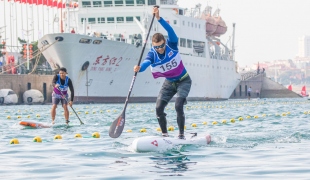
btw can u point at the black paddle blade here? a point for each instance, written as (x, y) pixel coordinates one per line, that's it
(117, 126)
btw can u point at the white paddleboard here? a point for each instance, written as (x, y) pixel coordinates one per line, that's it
(157, 143)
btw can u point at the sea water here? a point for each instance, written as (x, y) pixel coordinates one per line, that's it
(261, 139)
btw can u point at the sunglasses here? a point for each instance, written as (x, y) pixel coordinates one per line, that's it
(160, 46)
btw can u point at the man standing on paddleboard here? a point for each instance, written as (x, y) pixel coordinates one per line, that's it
(165, 61)
(61, 82)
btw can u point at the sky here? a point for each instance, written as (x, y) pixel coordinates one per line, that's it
(266, 30)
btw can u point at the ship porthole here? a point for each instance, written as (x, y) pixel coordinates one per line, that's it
(1, 100)
(59, 38)
(85, 65)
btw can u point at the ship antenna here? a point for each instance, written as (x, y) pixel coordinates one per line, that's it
(233, 42)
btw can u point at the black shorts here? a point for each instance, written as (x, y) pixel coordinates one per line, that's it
(56, 99)
(169, 89)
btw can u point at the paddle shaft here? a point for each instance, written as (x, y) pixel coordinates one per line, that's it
(118, 124)
(70, 106)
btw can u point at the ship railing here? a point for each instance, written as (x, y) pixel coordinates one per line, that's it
(248, 75)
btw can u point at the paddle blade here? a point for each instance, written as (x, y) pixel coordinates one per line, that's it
(117, 126)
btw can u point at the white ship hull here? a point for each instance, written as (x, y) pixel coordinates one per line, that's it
(211, 79)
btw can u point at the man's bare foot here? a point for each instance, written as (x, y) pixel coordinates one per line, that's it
(53, 122)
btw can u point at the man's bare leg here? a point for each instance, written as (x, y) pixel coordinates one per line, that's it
(53, 113)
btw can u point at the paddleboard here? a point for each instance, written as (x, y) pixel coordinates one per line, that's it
(158, 143)
(34, 124)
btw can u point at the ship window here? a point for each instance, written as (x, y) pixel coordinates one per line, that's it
(91, 20)
(183, 23)
(192, 24)
(86, 4)
(151, 2)
(119, 3)
(130, 3)
(189, 43)
(107, 3)
(101, 20)
(140, 2)
(129, 19)
(188, 23)
(120, 19)
(97, 42)
(110, 19)
(195, 25)
(199, 26)
(138, 17)
(82, 19)
(182, 42)
(97, 4)
(174, 21)
(180, 11)
(85, 41)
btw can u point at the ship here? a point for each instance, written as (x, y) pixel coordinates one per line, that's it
(107, 42)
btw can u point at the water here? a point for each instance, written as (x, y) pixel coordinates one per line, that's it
(271, 143)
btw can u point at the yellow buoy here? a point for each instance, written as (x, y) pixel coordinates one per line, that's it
(255, 117)
(184, 127)
(129, 130)
(86, 112)
(204, 123)
(78, 136)
(19, 117)
(194, 125)
(248, 117)
(57, 136)
(14, 141)
(96, 135)
(240, 118)
(37, 139)
(224, 121)
(143, 130)
(232, 120)
(214, 122)
(28, 116)
(38, 115)
(8, 117)
(170, 128)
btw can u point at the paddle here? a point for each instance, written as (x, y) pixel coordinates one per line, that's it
(118, 124)
(70, 106)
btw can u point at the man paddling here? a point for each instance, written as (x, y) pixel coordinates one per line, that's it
(61, 82)
(165, 61)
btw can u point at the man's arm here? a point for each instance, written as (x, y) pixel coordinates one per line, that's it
(71, 89)
(171, 34)
(54, 80)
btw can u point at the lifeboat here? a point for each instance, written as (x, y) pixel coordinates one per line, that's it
(8, 96)
(33, 96)
(221, 27)
(211, 24)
